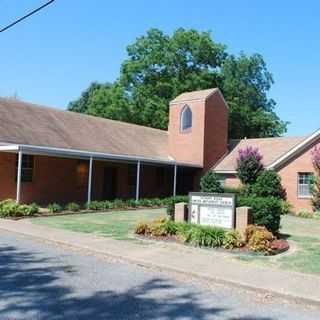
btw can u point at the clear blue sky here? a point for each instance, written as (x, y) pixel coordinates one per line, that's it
(51, 57)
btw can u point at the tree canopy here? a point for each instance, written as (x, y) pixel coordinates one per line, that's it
(159, 67)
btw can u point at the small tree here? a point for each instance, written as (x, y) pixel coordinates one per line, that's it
(315, 154)
(249, 165)
(268, 184)
(210, 183)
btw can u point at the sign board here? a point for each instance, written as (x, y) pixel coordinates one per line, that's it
(212, 209)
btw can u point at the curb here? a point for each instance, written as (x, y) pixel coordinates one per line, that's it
(173, 270)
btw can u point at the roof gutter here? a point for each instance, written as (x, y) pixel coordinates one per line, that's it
(74, 153)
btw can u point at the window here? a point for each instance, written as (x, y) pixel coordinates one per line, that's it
(186, 118)
(26, 168)
(305, 181)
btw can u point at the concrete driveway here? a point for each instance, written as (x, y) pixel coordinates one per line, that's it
(45, 281)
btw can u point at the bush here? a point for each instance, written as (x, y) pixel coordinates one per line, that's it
(210, 183)
(232, 239)
(249, 165)
(266, 211)
(259, 239)
(72, 206)
(10, 208)
(158, 228)
(268, 184)
(142, 228)
(170, 203)
(28, 209)
(119, 204)
(197, 235)
(131, 203)
(96, 205)
(54, 207)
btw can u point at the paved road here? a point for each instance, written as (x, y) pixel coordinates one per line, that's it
(43, 281)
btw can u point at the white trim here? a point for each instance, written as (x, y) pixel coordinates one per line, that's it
(309, 140)
(90, 180)
(74, 153)
(19, 167)
(225, 171)
(175, 180)
(138, 181)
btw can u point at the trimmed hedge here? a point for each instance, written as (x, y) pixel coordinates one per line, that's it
(267, 211)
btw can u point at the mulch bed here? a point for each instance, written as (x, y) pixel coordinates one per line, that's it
(278, 246)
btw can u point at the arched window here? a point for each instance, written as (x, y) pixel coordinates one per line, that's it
(186, 118)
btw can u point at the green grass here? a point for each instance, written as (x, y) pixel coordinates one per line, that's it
(304, 234)
(117, 224)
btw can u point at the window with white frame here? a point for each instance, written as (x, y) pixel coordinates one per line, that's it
(305, 180)
(186, 118)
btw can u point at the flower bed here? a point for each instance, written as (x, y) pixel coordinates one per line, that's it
(257, 239)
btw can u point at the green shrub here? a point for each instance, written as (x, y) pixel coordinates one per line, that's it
(259, 239)
(107, 204)
(315, 189)
(201, 235)
(286, 207)
(54, 207)
(206, 236)
(268, 184)
(131, 203)
(72, 206)
(10, 208)
(170, 203)
(28, 209)
(249, 165)
(266, 211)
(119, 204)
(232, 239)
(305, 214)
(210, 183)
(96, 205)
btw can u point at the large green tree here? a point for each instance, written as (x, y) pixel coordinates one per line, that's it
(159, 67)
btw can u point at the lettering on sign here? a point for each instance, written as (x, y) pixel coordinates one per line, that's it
(212, 209)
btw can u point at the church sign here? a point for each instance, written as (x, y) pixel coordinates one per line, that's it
(212, 209)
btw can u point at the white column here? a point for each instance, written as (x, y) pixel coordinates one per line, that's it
(175, 180)
(90, 180)
(138, 181)
(19, 176)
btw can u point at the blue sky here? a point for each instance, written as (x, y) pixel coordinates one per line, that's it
(51, 57)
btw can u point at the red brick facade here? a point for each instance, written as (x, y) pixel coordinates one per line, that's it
(289, 171)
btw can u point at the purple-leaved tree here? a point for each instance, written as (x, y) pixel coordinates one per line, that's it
(249, 165)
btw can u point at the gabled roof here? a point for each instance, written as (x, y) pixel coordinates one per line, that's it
(28, 124)
(272, 150)
(194, 95)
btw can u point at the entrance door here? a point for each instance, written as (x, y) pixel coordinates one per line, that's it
(110, 183)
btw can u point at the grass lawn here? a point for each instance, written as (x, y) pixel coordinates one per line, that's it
(117, 224)
(304, 234)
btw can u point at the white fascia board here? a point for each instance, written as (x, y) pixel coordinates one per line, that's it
(309, 140)
(9, 148)
(225, 171)
(74, 153)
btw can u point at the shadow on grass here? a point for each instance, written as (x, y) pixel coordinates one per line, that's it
(29, 289)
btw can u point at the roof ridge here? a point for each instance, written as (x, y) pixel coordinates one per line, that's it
(56, 109)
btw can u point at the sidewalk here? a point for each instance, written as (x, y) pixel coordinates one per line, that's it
(205, 264)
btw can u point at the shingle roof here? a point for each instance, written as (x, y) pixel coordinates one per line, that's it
(26, 123)
(194, 95)
(270, 148)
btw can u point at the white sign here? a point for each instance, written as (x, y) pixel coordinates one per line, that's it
(212, 209)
